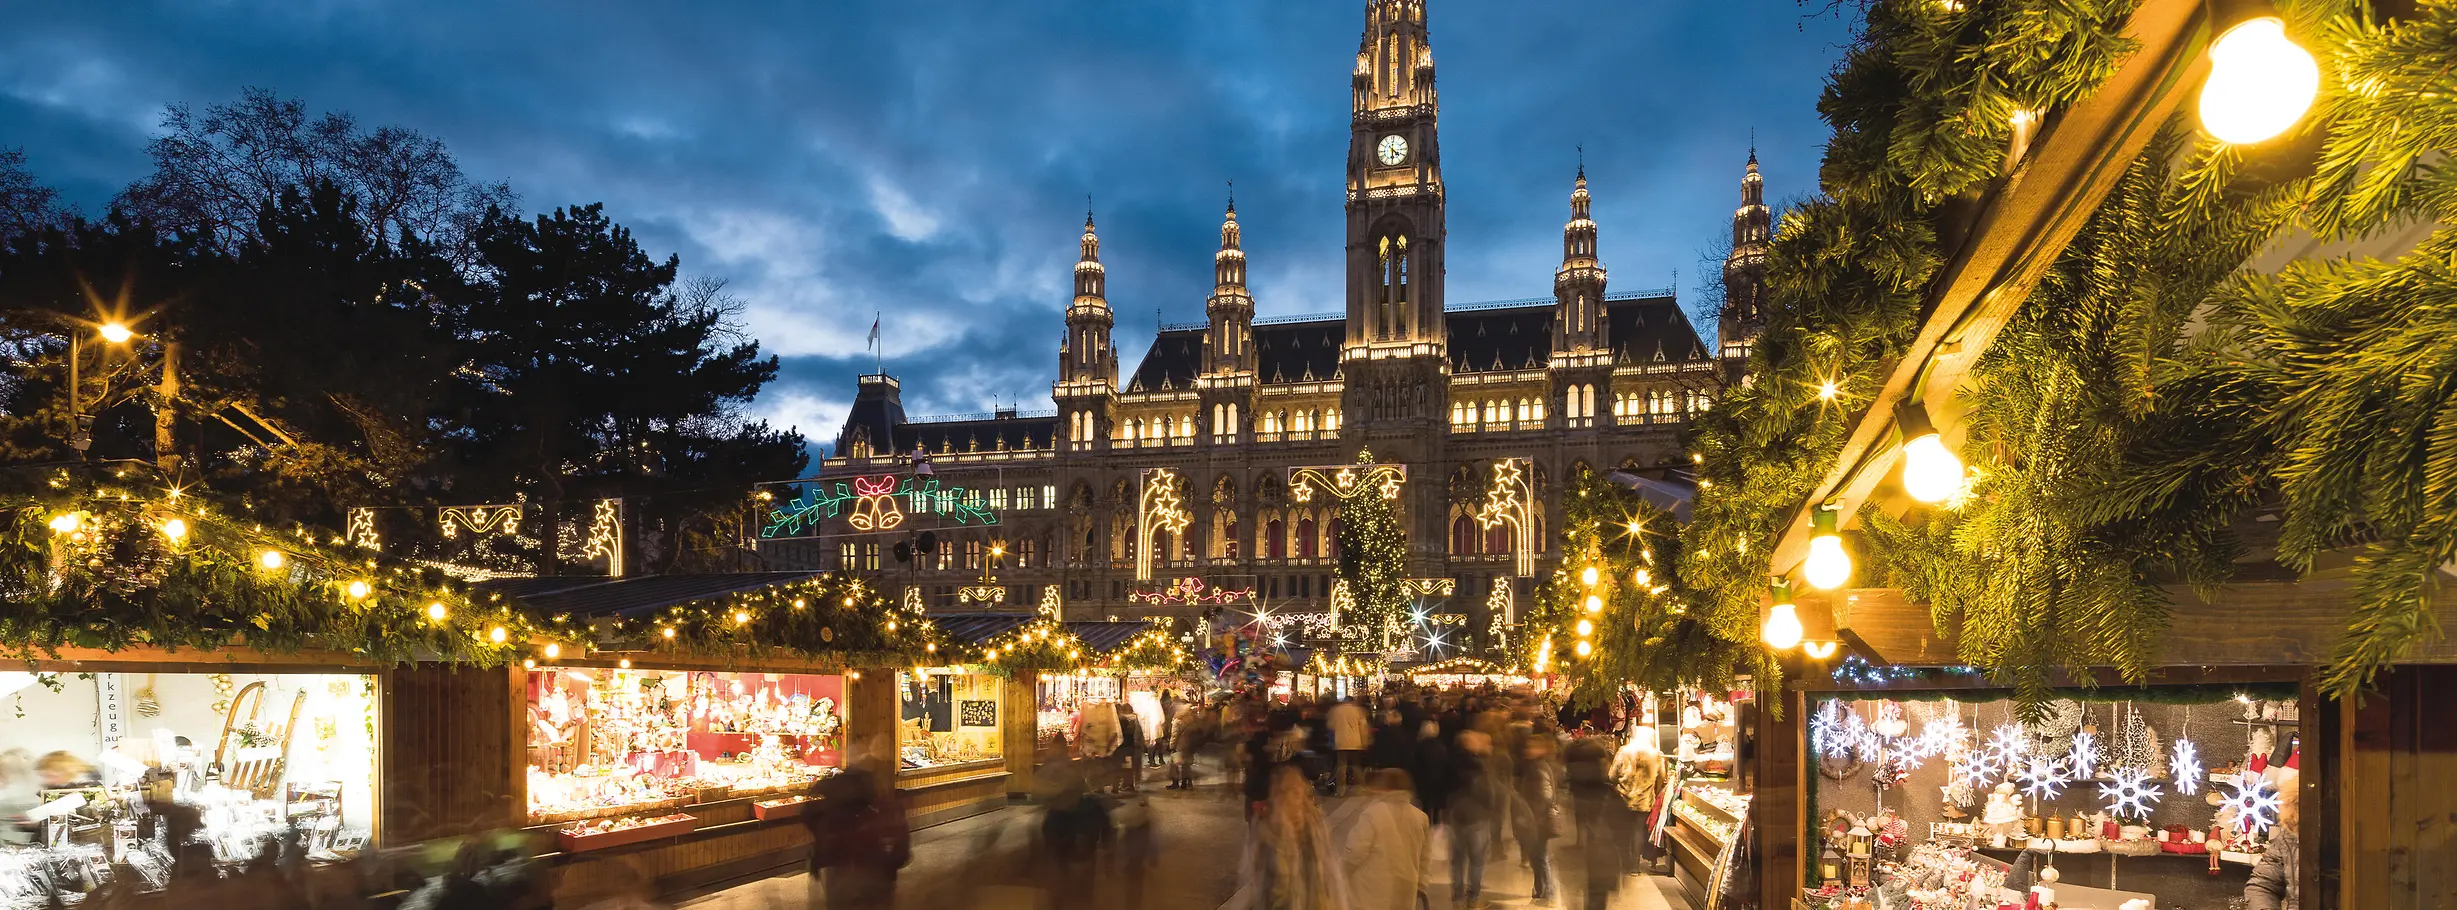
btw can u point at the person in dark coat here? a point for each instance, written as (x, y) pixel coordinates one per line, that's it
(1596, 807)
(1430, 770)
(1259, 761)
(858, 842)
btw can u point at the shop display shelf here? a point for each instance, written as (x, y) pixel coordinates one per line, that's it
(785, 807)
(669, 826)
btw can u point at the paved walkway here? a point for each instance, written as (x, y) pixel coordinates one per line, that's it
(1508, 881)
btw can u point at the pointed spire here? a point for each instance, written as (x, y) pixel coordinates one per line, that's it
(1090, 279)
(1582, 164)
(1229, 265)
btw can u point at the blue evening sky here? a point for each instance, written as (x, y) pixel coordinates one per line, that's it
(929, 159)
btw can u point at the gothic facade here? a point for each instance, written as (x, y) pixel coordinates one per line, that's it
(1587, 378)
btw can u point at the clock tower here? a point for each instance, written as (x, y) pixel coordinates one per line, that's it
(1394, 354)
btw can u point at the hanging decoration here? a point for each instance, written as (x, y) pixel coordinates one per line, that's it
(1943, 734)
(2184, 766)
(871, 504)
(1346, 482)
(2084, 755)
(485, 520)
(1052, 606)
(1510, 503)
(2042, 778)
(1159, 508)
(359, 530)
(605, 540)
(1192, 592)
(2254, 802)
(2007, 750)
(2129, 793)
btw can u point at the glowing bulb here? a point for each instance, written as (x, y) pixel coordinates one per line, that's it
(625, 663)
(1594, 604)
(891, 625)
(115, 333)
(270, 559)
(669, 632)
(553, 650)
(1827, 390)
(1584, 649)
(497, 635)
(1782, 629)
(2260, 82)
(1827, 566)
(741, 617)
(1930, 471)
(1585, 628)
(66, 523)
(991, 654)
(931, 647)
(1819, 650)
(176, 529)
(799, 603)
(436, 611)
(527, 664)
(1587, 576)
(1640, 575)
(358, 589)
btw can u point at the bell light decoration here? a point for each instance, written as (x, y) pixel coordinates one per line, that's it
(2260, 82)
(1828, 567)
(1782, 629)
(1931, 472)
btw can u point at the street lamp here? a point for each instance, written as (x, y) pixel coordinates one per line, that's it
(112, 332)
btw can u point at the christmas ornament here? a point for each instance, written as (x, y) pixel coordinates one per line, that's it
(2255, 804)
(2129, 793)
(2185, 767)
(2042, 778)
(2006, 749)
(1941, 734)
(2083, 755)
(1973, 768)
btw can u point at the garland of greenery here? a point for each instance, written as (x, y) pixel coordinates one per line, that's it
(1645, 633)
(1922, 110)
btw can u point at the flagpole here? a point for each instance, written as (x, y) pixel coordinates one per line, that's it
(878, 351)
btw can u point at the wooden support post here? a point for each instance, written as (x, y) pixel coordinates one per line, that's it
(1778, 809)
(871, 721)
(2397, 795)
(454, 757)
(1021, 730)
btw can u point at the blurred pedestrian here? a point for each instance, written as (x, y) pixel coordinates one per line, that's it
(1384, 857)
(1351, 732)
(1099, 736)
(1189, 733)
(1430, 770)
(1596, 805)
(1137, 850)
(858, 841)
(1075, 829)
(1479, 801)
(1259, 757)
(1129, 756)
(1289, 864)
(1536, 815)
(1638, 776)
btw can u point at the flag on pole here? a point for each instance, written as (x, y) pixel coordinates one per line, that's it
(874, 332)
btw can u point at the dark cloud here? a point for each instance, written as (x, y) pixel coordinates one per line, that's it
(928, 161)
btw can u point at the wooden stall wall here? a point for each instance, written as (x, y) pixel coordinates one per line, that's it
(2396, 790)
(452, 751)
(1778, 810)
(1021, 697)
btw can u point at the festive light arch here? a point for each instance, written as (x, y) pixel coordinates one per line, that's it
(1510, 503)
(1161, 506)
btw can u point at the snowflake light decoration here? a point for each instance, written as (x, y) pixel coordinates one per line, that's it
(2130, 793)
(2084, 756)
(2255, 804)
(2007, 748)
(1941, 734)
(1973, 766)
(2185, 767)
(1826, 734)
(2042, 778)
(1905, 753)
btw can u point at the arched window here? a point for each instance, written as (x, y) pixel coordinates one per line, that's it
(1307, 540)
(1330, 542)
(1275, 539)
(1497, 539)
(1391, 302)
(1462, 536)
(1230, 548)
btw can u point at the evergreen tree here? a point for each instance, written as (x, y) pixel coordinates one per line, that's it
(1373, 561)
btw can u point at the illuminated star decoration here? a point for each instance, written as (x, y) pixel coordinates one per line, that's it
(1825, 734)
(2006, 749)
(2185, 767)
(2129, 794)
(2042, 778)
(2084, 756)
(2255, 804)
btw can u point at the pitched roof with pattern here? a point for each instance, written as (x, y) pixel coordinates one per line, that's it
(996, 434)
(1651, 330)
(1176, 356)
(1298, 351)
(1487, 341)
(587, 596)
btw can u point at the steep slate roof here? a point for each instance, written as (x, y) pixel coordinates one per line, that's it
(633, 596)
(1305, 351)
(1486, 341)
(980, 435)
(1641, 328)
(1176, 356)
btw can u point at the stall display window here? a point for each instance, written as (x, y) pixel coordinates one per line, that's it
(1061, 699)
(119, 779)
(947, 718)
(607, 742)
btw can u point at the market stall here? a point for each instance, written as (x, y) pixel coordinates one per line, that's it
(1465, 672)
(607, 744)
(2165, 794)
(131, 771)
(951, 740)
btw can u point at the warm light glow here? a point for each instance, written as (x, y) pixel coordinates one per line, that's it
(799, 603)
(669, 631)
(1782, 629)
(1587, 576)
(497, 635)
(436, 611)
(2260, 82)
(176, 529)
(1640, 575)
(553, 650)
(115, 333)
(625, 663)
(1585, 628)
(1827, 566)
(741, 617)
(991, 654)
(931, 647)
(66, 523)
(358, 589)
(1595, 604)
(270, 559)
(1583, 649)
(891, 625)
(1827, 390)
(1930, 471)
(1819, 650)
(527, 664)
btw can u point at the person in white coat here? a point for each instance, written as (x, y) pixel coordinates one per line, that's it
(1385, 852)
(1351, 732)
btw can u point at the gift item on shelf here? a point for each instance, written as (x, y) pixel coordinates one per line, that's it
(948, 717)
(606, 742)
(1706, 820)
(620, 832)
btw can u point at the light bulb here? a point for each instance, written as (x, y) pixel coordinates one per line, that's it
(66, 523)
(175, 528)
(1585, 628)
(1584, 649)
(1587, 576)
(1930, 471)
(270, 559)
(1782, 629)
(1595, 604)
(1819, 650)
(625, 663)
(358, 589)
(669, 631)
(553, 650)
(2260, 82)
(1827, 567)
(497, 635)
(115, 333)
(436, 612)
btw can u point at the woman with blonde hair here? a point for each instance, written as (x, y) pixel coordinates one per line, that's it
(1289, 864)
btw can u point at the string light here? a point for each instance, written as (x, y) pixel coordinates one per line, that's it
(553, 650)
(1782, 628)
(1828, 567)
(497, 635)
(271, 559)
(1588, 576)
(1930, 472)
(175, 529)
(2260, 82)
(66, 523)
(358, 589)
(436, 611)
(115, 332)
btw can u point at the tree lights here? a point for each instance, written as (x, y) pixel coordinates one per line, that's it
(1781, 630)
(2260, 82)
(1828, 566)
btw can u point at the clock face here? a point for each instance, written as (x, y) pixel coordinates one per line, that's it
(1392, 150)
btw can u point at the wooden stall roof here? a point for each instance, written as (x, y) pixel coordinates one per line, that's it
(635, 595)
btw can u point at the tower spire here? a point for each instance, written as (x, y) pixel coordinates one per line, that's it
(1744, 271)
(1578, 286)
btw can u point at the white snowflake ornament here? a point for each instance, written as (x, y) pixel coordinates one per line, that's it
(2042, 778)
(2129, 793)
(2255, 803)
(2185, 767)
(2007, 748)
(2083, 758)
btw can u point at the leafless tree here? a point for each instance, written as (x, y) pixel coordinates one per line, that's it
(26, 205)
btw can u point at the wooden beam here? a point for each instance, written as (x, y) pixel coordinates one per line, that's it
(2023, 224)
(2270, 623)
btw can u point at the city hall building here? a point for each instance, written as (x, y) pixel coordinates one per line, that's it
(1218, 418)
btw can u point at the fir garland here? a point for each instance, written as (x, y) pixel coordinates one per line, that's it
(1646, 632)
